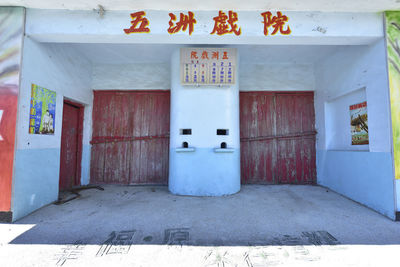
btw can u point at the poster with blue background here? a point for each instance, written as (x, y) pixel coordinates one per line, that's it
(43, 111)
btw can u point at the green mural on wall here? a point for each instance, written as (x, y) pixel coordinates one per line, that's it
(393, 50)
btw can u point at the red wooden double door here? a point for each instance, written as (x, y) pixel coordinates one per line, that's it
(130, 139)
(277, 137)
(130, 143)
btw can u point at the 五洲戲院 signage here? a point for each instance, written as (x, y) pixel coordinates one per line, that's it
(223, 23)
(207, 66)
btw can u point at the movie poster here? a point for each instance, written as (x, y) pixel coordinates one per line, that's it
(359, 124)
(43, 111)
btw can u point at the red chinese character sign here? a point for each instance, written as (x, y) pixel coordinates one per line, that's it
(277, 23)
(184, 22)
(139, 23)
(208, 66)
(223, 23)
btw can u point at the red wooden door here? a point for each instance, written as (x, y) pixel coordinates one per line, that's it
(277, 137)
(70, 146)
(130, 143)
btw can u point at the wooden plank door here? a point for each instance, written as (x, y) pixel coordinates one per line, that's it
(130, 143)
(277, 137)
(71, 143)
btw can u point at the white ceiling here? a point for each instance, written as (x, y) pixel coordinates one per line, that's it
(297, 5)
(139, 53)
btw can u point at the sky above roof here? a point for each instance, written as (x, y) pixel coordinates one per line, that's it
(295, 5)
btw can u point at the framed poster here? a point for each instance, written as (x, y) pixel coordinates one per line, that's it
(42, 117)
(359, 124)
(208, 66)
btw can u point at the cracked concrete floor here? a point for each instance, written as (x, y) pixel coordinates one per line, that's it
(147, 226)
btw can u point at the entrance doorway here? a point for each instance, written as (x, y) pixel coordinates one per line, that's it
(71, 145)
(277, 138)
(130, 140)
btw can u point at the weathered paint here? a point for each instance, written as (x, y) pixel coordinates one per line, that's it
(71, 146)
(11, 29)
(130, 137)
(277, 137)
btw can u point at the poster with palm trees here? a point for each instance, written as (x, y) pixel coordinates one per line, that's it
(359, 124)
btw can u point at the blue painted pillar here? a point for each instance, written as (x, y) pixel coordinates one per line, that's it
(203, 168)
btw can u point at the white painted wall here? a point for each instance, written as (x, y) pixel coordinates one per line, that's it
(37, 162)
(252, 77)
(346, 71)
(307, 28)
(133, 76)
(60, 69)
(276, 77)
(365, 176)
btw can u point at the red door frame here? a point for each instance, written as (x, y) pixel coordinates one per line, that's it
(78, 173)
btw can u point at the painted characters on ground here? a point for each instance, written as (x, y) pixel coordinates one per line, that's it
(393, 49)
(359, 124)
(43, 111)
(276, 250)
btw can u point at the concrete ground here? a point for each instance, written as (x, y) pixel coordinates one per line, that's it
(276, 225)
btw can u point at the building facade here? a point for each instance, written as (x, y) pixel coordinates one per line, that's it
(202, 100)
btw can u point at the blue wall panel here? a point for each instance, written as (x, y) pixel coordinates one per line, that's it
(36, 180)
(366, 177)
